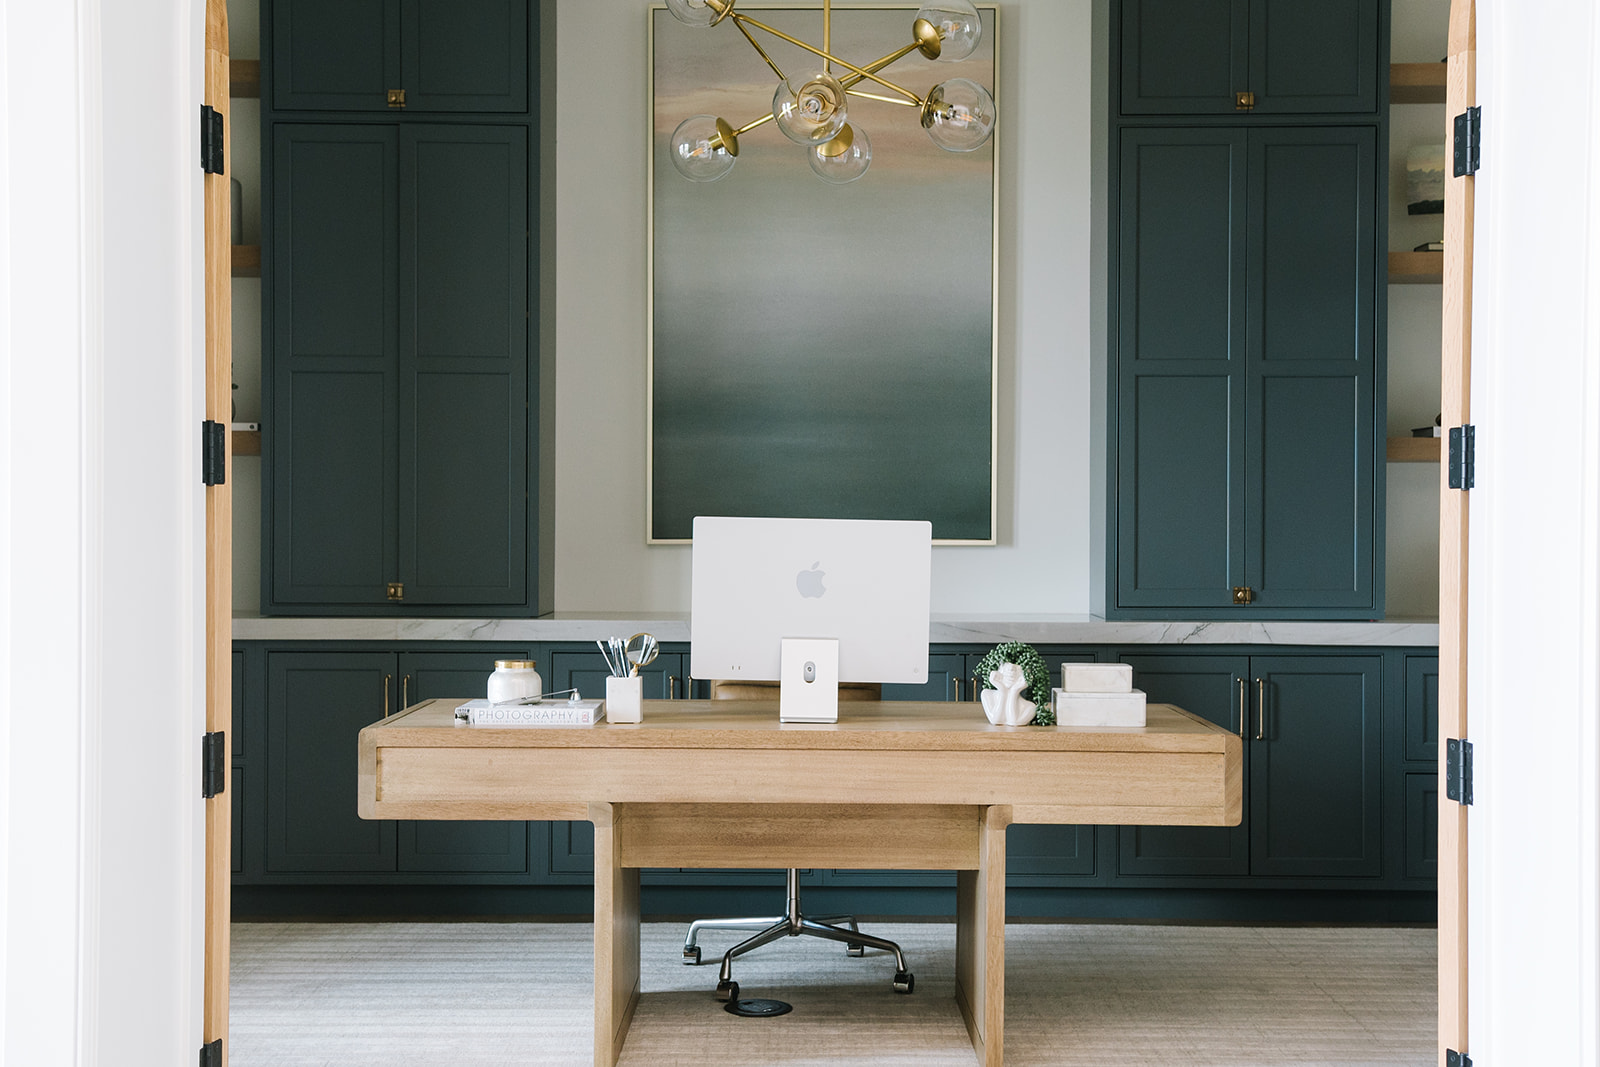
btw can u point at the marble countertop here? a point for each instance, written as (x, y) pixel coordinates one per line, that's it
(955, 629)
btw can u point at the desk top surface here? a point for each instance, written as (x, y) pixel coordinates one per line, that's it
(864, 725)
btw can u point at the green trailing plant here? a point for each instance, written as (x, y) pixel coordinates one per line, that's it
(1027, 657)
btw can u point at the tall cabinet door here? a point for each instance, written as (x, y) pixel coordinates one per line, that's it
(464, 55)
(331, 431)
(317, 703)
(1311, 457)
(1180, 379)
(332, 55)
(463, 369)
(1211, 687)
(1314, 769)
(1314, 58)
(1183, 57)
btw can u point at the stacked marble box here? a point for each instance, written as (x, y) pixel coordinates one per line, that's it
(1098, 694)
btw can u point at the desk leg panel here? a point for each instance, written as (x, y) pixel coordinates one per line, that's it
(981, 941)
(616, 940)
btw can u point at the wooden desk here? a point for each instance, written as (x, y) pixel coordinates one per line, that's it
(893, 785)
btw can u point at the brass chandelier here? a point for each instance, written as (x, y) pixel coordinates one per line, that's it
(959, 114)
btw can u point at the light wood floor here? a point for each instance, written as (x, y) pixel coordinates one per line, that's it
(443, 994)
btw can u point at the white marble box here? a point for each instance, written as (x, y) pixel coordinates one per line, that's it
(1099, 709)
(1096, 677)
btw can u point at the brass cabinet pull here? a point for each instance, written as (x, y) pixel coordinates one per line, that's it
(386, 696)
(1244, 710)
(405, 690)
(1261, 700)
(672, 687)
(957, 682)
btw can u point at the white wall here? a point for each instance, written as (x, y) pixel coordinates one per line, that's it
(100, 519)
(1533, 655)
(1045, 90)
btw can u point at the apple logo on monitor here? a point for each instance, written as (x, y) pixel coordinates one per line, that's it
(810, 582)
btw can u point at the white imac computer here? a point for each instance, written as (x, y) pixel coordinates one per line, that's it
(810, 603)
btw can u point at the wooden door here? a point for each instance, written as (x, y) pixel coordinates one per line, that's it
(220, 810)
(1180, 368)
(1456, 397)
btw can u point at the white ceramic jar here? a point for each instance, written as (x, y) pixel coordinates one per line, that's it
(514, 679)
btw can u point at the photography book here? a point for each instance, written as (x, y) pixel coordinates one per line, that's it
(553, 713)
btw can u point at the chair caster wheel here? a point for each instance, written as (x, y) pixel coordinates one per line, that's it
(691, 956)
(727, 991)
(904, 981)
(854, 949)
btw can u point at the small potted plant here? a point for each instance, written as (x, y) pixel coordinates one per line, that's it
(1036, 675)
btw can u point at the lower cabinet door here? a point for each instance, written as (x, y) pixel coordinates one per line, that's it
(1208, 686)
(427, 845)
(1314, 766)
(317, 703)
(1035, 855)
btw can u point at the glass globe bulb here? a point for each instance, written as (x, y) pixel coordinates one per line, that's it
(843, 159)
(812, 111)
(695, 12)
(959, 24)
(703, 148)
(959, 115)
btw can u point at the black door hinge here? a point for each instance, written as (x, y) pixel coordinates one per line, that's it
(1463, 457)
(213, 768)
(1468, 139)
(1458, 770)
(211, 1054)
(213, 453)
(1452, 1058)
(212, 139)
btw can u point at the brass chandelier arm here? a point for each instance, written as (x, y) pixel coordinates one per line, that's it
(847, 81)
(753, 44)
(885, 99)
(862, 71)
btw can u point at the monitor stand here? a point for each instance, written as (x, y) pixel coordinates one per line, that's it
(808, 680)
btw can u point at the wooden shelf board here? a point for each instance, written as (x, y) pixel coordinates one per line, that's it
(247, 261)
(1416, 83)
(1414, 449)
(244, 78)
(1416, 268)
(246, 442)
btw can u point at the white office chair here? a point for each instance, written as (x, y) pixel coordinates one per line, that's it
(792, 923)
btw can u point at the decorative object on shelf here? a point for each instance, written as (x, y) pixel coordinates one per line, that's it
(1004, 703)
(1425, 180)
(1436, 430)
(1430, 246)
(811, 108)
(1027, 659)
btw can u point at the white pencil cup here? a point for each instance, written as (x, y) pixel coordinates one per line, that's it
(624, 698)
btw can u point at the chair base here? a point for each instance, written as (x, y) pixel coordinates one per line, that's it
(793, 924)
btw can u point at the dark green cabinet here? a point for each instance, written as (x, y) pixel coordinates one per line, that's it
(1246, 461)
(317, 704)
(443, 55)
(1193, 57)
(399, 403)
(1313, 755)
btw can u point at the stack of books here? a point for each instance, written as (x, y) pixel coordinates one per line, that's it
(1098, 694)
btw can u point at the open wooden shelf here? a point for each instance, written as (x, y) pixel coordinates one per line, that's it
(248, 442)
(247, 261)
(1416, 268)
(244, 78)
(1416, 83)
(1414, 449)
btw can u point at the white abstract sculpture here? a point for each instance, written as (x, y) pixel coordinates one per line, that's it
(1004, 704)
